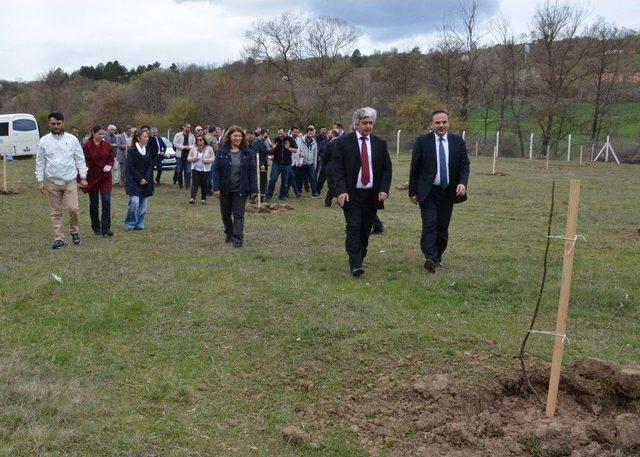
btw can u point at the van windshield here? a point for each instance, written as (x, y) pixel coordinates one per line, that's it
(24, 125)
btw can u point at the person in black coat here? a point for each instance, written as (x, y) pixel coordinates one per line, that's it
(438, 178)
(139, 181)
(325, 170)
(260, 149)
(360, 175)
(234, 179)
(156, 147)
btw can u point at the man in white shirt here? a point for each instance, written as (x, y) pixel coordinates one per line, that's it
(59, 161)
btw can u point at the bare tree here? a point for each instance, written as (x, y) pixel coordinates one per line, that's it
(509, 68)
(278, 42)
(606, 67)
(557, 54)
(326, 43)
(462, 35)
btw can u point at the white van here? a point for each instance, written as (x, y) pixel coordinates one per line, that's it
(19, 135)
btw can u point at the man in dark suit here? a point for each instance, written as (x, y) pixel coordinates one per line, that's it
(360, 175)
(156, 148)
(437, 179)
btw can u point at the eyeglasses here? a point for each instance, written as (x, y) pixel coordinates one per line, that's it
(200, 139)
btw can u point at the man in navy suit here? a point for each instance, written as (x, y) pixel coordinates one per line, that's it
(360, 175)
(157, 148)
(437, 179)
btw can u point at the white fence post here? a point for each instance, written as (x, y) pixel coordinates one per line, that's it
(531, 146)
(569, 149)
(398, 144)
(498, 142)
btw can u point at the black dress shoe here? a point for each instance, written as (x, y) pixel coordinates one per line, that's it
(96, 232)
(430, 266)
(228, 239)
(358, 271)
(107, 233)
(237, 244)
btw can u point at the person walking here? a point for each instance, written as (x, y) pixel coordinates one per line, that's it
(201, 157)
(182, 143)
(361, 177)
(234, 179)
(139, 181)
(438, 178)
(99, 159)
(123, 140)
(59, 160)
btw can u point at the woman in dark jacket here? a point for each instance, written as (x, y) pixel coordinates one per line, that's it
(139, 181)
(234, 179)
(97, 154)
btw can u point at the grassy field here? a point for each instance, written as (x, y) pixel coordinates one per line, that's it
(167, 342)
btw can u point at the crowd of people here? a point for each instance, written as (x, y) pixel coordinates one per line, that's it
(233, 165)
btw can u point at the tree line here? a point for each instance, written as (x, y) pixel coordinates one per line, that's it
(307, 71)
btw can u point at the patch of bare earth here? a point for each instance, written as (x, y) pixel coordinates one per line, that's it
(269, 208)
(441, 414)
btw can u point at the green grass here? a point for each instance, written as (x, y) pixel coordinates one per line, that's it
(168, 342)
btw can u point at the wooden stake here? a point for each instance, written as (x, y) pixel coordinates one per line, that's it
(495, 157)
(547, 165)
(580, 154)
(476, 148)
(565, 290)
(258, 176)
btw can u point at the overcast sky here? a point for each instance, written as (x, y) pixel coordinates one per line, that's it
(37, 35)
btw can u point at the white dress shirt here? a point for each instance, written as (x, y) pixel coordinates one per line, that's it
(141, 149)
(445, 143)
(359, 184)
(60, 159)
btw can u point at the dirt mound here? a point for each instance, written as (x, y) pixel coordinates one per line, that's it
(11, 191)
(269, 208)
(440, 414)
(293, 436)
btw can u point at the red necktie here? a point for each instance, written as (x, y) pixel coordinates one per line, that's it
(366, 173)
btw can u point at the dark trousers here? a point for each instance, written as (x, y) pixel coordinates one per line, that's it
(320, 180)
(359, 212)
(435, 211)
(278, 169)
(295, 181)
(97, 225)
(232, 211)
(159, 167)
(263, 181)
(201, 180)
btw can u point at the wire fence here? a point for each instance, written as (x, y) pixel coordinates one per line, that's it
(627, 151)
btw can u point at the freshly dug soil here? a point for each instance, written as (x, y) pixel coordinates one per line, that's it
(440, 414)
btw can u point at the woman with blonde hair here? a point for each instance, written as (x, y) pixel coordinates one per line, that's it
(234, 179)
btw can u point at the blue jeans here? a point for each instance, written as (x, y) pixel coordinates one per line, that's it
(183, 166)
(310, 172)
(136, 211)
(284, 171)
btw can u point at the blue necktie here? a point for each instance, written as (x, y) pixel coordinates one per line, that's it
(442, 159)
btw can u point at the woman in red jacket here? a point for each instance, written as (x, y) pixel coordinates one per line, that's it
(99, 158)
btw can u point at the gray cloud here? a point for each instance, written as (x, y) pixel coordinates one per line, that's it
(382, 20)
